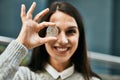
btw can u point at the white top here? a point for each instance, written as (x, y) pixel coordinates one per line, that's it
(10, 70)
(55, 74)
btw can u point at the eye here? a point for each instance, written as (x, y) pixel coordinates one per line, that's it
(71, 32)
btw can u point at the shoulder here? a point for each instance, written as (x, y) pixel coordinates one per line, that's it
(27, 74)
(24, 73)
(23, 70)
(79, 76)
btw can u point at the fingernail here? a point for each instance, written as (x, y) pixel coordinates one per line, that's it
(34, 3)
(47, 9)
(22, 4)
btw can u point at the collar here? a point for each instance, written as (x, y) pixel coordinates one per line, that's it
(55, 74)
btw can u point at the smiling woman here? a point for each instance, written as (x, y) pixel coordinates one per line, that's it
(61, 50)
(63, 56)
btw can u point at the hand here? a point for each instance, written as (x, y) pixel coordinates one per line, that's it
(30, 27)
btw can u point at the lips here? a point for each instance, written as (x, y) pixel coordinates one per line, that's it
(61, 49)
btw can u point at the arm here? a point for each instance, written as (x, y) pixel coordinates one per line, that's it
(27, 39)
(10, 60)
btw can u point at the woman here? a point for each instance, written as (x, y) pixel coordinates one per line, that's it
(60, 57)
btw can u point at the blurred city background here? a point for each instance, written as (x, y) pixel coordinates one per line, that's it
(102, 26)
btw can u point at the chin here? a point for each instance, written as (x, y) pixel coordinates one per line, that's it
(62, 60)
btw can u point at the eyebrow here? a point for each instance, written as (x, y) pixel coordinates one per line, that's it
(69, 27)
(73, 27)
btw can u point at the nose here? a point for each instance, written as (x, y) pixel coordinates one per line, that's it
(62, 38)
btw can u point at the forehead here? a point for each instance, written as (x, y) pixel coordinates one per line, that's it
(61, 18)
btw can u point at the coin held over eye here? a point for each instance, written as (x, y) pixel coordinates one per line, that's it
(52, 31)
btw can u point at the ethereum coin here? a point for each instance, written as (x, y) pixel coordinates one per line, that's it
(52, 31)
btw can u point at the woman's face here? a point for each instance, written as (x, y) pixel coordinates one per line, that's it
(66, 44)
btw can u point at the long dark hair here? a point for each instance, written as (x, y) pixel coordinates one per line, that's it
(40, 56)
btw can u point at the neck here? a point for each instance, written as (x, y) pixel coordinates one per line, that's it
(60, 66)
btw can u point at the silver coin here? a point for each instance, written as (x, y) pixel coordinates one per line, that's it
(52, 31)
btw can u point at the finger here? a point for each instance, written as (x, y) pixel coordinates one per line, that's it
(32, 8)
(41, 14)
(23, 9)
(45, 24)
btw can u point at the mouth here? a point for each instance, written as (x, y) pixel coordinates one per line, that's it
(61, 49)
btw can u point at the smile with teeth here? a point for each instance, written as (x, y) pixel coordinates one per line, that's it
(61, 49)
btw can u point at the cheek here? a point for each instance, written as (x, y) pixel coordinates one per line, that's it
(75, 39)
(48, 46)
(74, 43)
